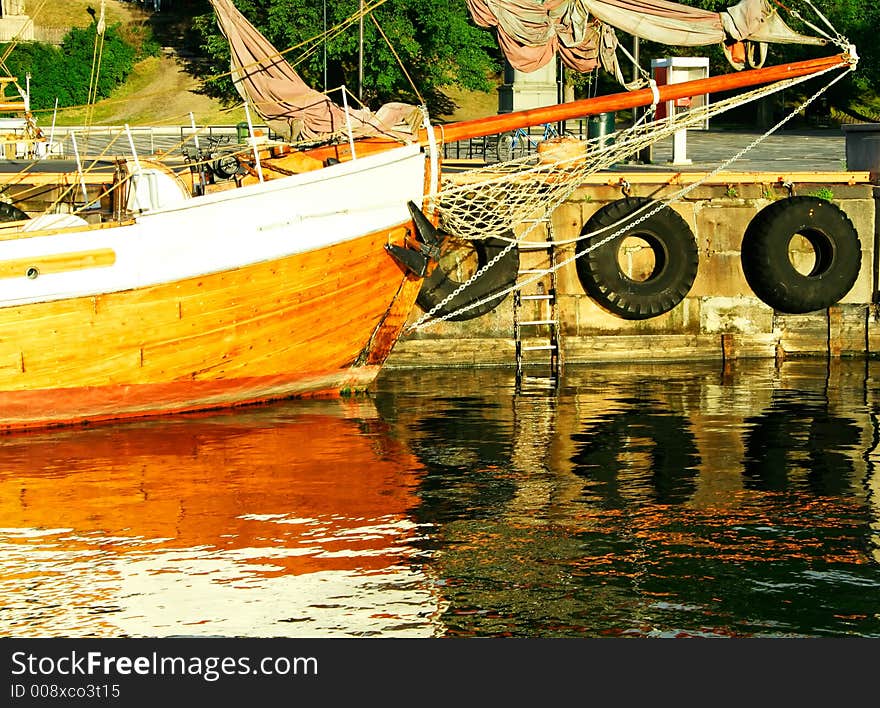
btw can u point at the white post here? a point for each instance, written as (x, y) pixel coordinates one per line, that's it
(253, 140)
(79, 168)
(348, 123)
(201, 168)
(137, 163)
(52, 129)
(679, 148)
(192, 120)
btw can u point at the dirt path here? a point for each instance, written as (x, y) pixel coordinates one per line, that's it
(161, 92)
(158, 92)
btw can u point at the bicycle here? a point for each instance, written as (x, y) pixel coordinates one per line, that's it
(518, 143)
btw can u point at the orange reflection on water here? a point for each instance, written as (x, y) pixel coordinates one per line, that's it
(275, 521)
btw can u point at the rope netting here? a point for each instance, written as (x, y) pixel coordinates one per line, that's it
(489, 201)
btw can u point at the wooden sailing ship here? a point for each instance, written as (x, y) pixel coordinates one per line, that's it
(295, 280)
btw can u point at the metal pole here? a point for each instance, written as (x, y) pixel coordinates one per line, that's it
(635, 74)
(52, 130)
(137, 162)
(361, 54)
(325, 46)
(199, 163)
(348, 123)
(646, 154)
(253, 141)
(79, 169)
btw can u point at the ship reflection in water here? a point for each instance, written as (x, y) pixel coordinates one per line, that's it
(641, 500)
(290, 519)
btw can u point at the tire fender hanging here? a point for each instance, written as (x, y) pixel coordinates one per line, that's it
(440, 284)
(676, 259)
(437, 286)
(768, 267)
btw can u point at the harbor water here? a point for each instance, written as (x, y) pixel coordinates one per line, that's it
(673, 500)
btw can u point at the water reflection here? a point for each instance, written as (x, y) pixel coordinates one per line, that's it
(639, 448)
(798, 432)
(649, 500)
(288, 520)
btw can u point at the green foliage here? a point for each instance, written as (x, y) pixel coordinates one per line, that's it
(857, 20)
(66, 72)
(435, 40)
(823, 193)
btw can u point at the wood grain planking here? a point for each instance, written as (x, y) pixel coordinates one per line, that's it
(57, 263)
(212, 326)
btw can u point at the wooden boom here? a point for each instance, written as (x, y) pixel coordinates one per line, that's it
(490, 125)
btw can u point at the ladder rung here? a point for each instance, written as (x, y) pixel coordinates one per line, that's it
(538, 322)
(540, 348)
(533, 379)
(537, 297)
(535, 246)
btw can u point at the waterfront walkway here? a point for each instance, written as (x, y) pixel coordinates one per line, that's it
(817, 150)
(820, 150)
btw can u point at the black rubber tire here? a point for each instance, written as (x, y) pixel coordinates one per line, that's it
(676, 259)
(8, 212)
(768, 268)
(439, 284)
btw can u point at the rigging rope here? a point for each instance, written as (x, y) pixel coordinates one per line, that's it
(97, 58)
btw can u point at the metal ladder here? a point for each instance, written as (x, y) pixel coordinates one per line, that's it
(538, 332)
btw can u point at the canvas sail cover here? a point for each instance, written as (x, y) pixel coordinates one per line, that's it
(289, 106)
(532, 32)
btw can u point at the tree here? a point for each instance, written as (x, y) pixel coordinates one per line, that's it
(67, 72)
(855, 20)
(434, 40)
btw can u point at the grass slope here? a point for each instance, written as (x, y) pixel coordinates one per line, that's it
(160, 91)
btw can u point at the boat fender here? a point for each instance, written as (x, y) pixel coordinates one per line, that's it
(440, 284)
(8, 212)
(676, 259)
(768, 267)
(496, 280)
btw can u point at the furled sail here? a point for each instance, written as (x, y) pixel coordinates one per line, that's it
(532, 32)
(289, 106)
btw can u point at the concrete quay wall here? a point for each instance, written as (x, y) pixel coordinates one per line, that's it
(720, 318)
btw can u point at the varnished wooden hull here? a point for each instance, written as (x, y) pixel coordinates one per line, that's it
(236, 299)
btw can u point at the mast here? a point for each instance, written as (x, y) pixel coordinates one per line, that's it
(491, 125)
(361, 53)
